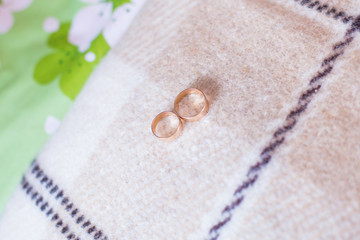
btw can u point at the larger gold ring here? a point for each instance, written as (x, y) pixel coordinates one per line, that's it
(173, 135)
(202, 112)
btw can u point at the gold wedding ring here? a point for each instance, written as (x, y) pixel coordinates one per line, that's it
(164, 133)
(196, 112)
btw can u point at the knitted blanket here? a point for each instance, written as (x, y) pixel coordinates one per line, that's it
(276, 157)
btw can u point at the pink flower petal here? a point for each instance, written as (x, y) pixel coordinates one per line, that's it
(17, 5)
(88, 23)
(91, 1)
(6, 20)
(121, 20)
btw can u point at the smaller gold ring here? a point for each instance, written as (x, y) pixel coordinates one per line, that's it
(160, 117)
(185, 93)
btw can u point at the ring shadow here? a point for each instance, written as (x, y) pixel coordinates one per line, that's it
(209, 86)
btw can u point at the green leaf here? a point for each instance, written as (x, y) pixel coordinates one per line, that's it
(74, 78)
(59, 39)
(79, 70)
(100, 47)
(48, 68)
(117, 3)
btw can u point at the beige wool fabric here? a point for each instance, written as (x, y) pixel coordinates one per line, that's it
(276, 157)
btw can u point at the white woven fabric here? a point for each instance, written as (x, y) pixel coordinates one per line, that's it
(275, 158)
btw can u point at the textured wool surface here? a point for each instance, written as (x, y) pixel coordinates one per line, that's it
(276, 157)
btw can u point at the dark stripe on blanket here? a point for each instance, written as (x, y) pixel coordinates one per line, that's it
(279, 135)
(327, 10)
(66, 203)
(44, 207)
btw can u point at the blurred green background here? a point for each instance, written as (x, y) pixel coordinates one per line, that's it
(24, 104)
